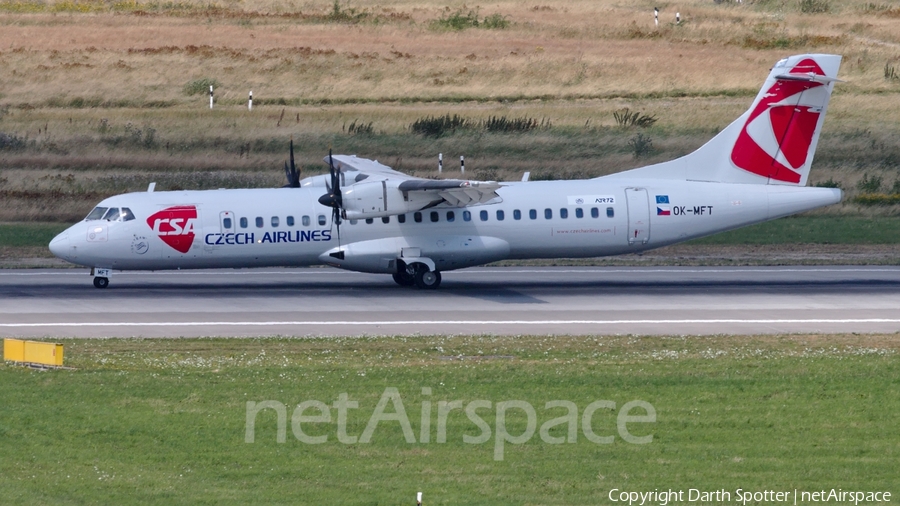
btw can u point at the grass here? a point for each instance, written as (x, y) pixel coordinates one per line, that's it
(164, 421)
(72, 159)
(113, 95)
(812, 230)
(29, 234)
(142, 53)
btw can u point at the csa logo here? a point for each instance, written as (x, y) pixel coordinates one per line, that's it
(775, 140)
(175, 226)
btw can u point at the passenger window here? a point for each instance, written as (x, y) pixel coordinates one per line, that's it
(548, 214)
(417, 217)
(532, 214)
(579, 212)
(259, 222)
(96, 214)
(226, 223)
(500, 215)
(274, 221)
(386, 219)
(435, 216)
(321, 219)
(305, 221)
(401, 218)
(243, 222)
(290, 221)
(369, 221)
(127, 215)
(467, 216)
(112, 214)
(610, 212)
(595, 213)
(451, 216)
(563, 213)
(483, 215)
(517, 215)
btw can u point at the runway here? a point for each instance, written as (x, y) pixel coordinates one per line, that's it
(510, 301)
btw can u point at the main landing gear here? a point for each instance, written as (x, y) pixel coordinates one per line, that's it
(418, 274)
(101, 282)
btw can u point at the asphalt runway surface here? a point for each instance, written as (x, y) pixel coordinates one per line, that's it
(508, 300)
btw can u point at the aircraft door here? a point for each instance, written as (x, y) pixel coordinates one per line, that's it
(226, 222)
(638, 215)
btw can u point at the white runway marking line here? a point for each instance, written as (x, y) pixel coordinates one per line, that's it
(443, 322)
(497, 270)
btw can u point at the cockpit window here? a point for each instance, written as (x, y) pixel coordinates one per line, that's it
(112, 214)
(96, 214)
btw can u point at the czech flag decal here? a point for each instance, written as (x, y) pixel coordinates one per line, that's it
(663, 210)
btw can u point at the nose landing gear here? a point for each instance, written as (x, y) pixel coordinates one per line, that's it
(101, 277)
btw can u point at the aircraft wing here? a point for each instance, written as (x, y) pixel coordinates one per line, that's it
(449, 192)
(353, 163)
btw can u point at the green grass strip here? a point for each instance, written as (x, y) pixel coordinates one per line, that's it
(164, 421)
(813, 230)
(29, 234)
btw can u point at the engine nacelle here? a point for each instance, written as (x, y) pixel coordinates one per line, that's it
(442, 253)
(376, 199)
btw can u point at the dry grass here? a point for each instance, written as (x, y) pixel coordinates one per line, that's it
(559, 49)
(96, 89)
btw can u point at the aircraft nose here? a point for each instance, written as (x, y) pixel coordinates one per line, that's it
(59, 246)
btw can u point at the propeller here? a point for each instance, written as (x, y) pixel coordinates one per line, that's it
(291, 171)
(334, 199)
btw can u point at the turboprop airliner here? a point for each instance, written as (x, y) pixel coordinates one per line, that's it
(364, 216)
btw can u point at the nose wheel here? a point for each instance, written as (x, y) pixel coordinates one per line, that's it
(100, 282)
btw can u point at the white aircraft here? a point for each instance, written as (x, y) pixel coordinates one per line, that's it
(364, 216)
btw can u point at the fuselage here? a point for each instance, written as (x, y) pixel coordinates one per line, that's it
(540, 219)
(755, 169)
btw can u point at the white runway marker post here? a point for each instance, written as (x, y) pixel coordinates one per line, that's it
(250, 101)
(677, 18)
(462, 164)
(419, 499)
(440, 162)
(656, 16)
(210, 96)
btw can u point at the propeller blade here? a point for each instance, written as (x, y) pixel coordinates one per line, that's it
(335, 182)
(335, 197)
(290, 171)
(295, 174)
(332, 173)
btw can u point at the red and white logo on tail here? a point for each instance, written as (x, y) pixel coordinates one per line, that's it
(175, 226)
(775, 141)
